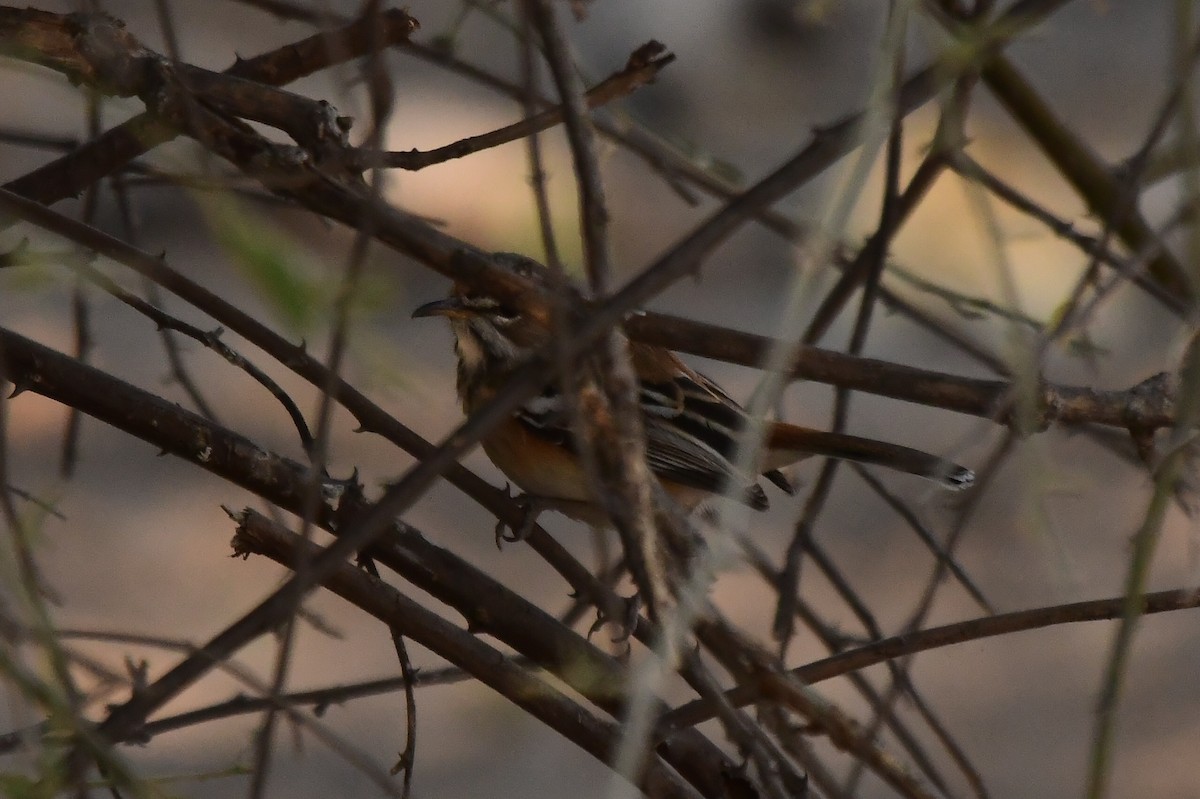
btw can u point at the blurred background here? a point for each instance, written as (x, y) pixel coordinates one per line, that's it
(143, 543)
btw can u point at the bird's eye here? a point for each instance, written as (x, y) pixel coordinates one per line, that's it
(504, 315)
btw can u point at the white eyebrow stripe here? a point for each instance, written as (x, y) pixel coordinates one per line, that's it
(544, 405)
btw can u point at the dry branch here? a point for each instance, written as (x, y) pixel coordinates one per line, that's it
(258, 535)
(488, 605)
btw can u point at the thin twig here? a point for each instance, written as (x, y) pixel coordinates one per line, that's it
(596, 736)
(935, 638)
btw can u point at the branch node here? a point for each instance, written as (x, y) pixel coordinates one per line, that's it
(1151, 398)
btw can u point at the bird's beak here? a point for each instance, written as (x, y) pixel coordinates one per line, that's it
(451, 307)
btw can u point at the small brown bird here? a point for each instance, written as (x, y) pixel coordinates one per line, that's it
(692, 426)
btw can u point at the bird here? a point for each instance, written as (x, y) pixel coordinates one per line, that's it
(692, 426)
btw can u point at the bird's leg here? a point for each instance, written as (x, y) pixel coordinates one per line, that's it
(531, 508)
(625, 625)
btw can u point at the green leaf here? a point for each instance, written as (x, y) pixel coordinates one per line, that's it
(271, 261)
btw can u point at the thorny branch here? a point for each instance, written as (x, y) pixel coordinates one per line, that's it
(487, 605)
(320, 172)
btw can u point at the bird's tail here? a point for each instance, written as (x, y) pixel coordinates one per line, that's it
(788, 443)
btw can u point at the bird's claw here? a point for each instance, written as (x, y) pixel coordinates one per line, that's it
(531, 508)
(625, 625)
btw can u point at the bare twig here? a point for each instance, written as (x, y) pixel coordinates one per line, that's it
(258, 535)
(937, 637)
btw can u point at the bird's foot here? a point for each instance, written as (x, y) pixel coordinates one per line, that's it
(625, 624)
(531, 508)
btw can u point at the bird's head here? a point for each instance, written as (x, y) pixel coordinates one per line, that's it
(493, 336)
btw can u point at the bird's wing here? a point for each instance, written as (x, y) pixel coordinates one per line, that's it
(691, 434)
(691, 430)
